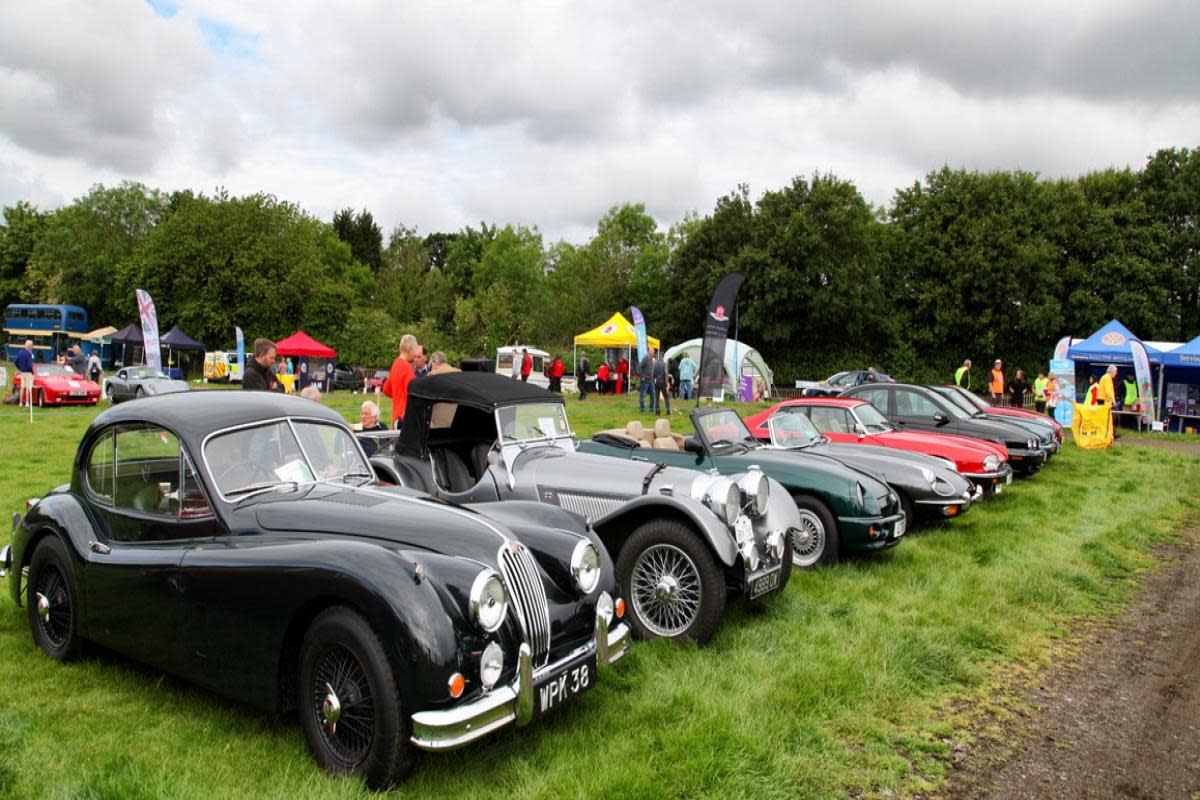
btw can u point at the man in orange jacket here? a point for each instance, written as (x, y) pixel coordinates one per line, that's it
(400, 376)
(996, 386)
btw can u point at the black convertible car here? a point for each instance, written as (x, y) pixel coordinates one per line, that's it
(238, 539)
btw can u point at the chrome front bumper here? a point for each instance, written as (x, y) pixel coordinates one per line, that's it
(5, 560)
(446, 729)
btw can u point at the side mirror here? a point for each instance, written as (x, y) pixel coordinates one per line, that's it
(940, 418)
(692, 445)
(860, 430)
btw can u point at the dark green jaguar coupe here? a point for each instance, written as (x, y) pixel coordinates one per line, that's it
(842, 508)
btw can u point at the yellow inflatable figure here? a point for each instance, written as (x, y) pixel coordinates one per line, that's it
(1092, 426)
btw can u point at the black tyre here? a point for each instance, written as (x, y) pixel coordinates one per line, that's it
(349, 706)
(51, 599)
(139, 393)
(108, 392)
(673, 582)
(818, 541)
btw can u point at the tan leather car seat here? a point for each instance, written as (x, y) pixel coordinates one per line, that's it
(663, 438)
(635, 430)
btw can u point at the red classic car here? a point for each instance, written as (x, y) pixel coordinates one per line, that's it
(56, 385)
(850, 420)
(376, 379)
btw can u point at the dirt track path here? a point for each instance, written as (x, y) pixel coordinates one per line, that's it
(1125, 721)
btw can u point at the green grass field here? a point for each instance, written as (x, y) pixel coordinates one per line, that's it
(840, 687)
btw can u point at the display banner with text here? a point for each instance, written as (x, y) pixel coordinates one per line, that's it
(1064, 375)
(716, 330)
(151, 353)
(1141, 368)
(639, 329)
(241, 351)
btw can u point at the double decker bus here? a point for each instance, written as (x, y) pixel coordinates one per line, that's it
(49, 326)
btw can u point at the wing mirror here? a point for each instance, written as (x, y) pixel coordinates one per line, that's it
(860, 430)
(692, 445)
(940, 418)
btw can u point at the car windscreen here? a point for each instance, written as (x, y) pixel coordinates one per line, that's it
(956, 400)
(283, 451)
(871, 419)
(529, 422)
(724, 428)
(792, 430)
(840, 379)
(51, 369)
(137, 373)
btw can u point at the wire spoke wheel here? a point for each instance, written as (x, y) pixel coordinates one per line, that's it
(342, 703)
(809, 543)
(53, 604)
(667, 589)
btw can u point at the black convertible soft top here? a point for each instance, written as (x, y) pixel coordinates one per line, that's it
(485, 389)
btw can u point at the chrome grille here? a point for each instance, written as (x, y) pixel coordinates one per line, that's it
(528, 597)
(589, 506)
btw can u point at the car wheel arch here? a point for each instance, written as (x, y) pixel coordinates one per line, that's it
(617, 527)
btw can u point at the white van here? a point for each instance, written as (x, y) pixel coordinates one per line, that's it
(537, 375)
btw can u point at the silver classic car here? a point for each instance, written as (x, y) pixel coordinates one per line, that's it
(680, 539)
(133, 382)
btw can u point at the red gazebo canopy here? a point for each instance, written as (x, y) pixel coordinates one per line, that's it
(301, 344)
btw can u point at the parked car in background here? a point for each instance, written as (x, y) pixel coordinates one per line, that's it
(680, 539)
(222, 367)
(848, 420)
(57, 385)
(838, 383)
(1008, 412)
(376, 379)
(912, 407)
(239, 540)
(345, 377)
(842, 508)
(130, 383)
(1042, 430)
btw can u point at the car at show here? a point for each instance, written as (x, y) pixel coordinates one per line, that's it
(842, 508)
(59, 385)
(912, 407)
(376, 379)
(1043, 430)
(840, 382)
(130, 383)
(240, 541)
(848, 420)
(344, 377)
(1008, 412)
(681, 540)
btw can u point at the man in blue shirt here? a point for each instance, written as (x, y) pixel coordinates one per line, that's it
(687, 373)
(24, 364)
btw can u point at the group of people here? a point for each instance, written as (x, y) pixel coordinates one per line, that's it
(1103, 392)
(84, 366)
(658, 379)
(1044, 391)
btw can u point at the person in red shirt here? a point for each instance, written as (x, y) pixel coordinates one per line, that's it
(526, 365)
(400, 376)
(622, 374)
(556, 374)
(602, 378)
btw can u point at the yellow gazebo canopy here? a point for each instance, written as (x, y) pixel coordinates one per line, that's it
(616, 332)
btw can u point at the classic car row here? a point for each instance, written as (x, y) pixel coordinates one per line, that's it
(480, 570)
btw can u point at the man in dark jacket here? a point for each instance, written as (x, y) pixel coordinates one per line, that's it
(662, 383)
(260, 375)
(78, 362)
(581, 376)
(645, 372)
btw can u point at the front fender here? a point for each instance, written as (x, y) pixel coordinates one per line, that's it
(616, 527)
(63, 515)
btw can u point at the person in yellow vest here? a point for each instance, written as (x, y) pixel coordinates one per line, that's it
(996, 386)
(1106, 395)
(1039, 392)
(1131, 393)
(962, 375)
(1089, 397)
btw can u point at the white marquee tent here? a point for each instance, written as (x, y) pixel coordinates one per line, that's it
(740, 359)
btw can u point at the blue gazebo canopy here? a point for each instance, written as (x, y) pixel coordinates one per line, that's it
(1187, 355)
(1110, 345)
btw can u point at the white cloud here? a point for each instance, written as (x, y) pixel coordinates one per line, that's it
(443, 114)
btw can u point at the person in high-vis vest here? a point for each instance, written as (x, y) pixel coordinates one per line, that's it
(1039, 392)
(996, 385)
(962, 375)
(1131, 393)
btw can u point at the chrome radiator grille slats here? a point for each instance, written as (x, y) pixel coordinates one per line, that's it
(528, 597)
(589, 506)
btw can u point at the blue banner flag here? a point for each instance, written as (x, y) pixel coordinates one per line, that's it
(639, 329)
(241, 351)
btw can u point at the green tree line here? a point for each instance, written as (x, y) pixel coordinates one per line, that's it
(960, 264)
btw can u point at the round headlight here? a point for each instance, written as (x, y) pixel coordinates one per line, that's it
(489, 600)
(870, 502)
(604, 607)
(725, 500)
(775, 543)
(749, 551)
(929, 477)
(757, 489)
(585, 567)
(991, 463)
(491, 664)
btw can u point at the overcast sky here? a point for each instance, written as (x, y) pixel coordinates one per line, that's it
(442, 114)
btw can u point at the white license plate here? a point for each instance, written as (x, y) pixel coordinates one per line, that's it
(764, 583)
(78, 393)
(571, 680)
(901, 527)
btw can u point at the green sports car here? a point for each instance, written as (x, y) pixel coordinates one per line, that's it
(842, 508)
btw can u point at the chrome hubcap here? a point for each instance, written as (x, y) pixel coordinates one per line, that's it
(666, 589)
(808, 544)
(331, 710)
(43, 607)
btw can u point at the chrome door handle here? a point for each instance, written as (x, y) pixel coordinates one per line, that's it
(102, 549)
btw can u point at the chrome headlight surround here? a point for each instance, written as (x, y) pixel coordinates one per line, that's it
(725, 499)
(585, 567)
(756, 488)
(991, 463)
(929, 477)
(1031, 444)
(489, 600)
(776, 541)
(868, 501)
(491, 664)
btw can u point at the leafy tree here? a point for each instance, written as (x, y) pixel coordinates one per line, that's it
(363, 235)
(1170, 187)
(23, 225)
